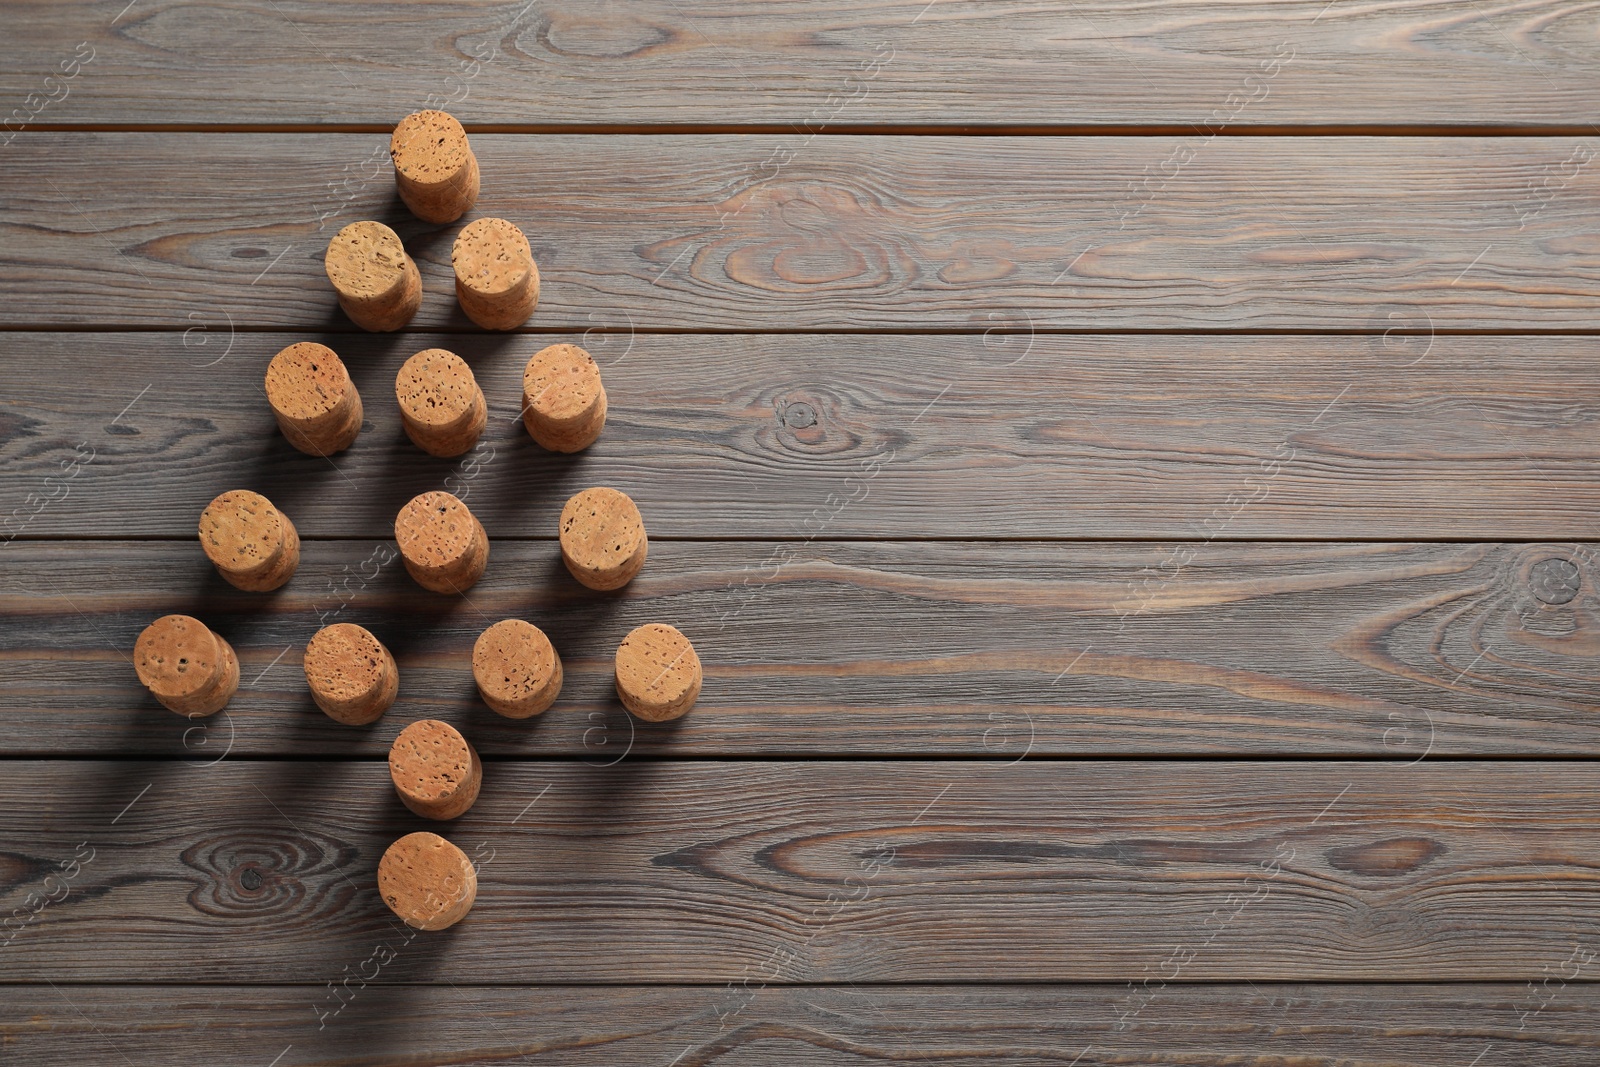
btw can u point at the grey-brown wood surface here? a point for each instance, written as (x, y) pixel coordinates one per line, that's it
(813, 64)
(998, 651)
(907, 436)
(789, 232)
(1254, 1025)
(816, 872)
(1128, 469)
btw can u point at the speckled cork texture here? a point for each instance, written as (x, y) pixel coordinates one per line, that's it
(658, 672)
(426, 881)
(517, 669)
(378, 284)
(435, 771)
(563, 400)
(442, 544)
(441, 406)
(313, 399)
(189, 669)
(353, 678)
(497, 281)
(251, 543)
(435, 171)
(603, 542)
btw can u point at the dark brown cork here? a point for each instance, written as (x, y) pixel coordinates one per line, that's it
(602, 538)
(189, 669)
(658, 672)
(497, 281)
(353, 678)
(563, 401)
(426, 881)
(435, 171)
(441, 406)
(516, 668)
(378, 284)
(251, 543)
(313, 399)
(435, 771)
(442, 544)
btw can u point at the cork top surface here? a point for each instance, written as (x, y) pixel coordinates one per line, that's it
(429, 147)
(491, 257)
(601, 528)
(561, 382)
(657, 664)
(365, 260)
(240, 530)
(436, 387)
(426, 880)
(513, 660)
(176, 656)
(430, 760)
(306, 380)
(435, 529)
(344, 662)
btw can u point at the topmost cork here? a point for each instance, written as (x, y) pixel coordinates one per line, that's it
(434, 168)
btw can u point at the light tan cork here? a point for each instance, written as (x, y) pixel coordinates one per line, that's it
(563, 401)
(251, 543)
(441, 406)
(603, 542)
(428, 882)
(516, 668)
(313, 399)
(658, 672)
(188, 668)
(435, 771)
(497, 281)
(434, 168)
(378, 284)
(442, 544)
(353, 678)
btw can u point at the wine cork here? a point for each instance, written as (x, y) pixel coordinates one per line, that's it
(188, 668)
(428, 882)
(378, 284)
(658, 673)
(602, 538)
(441, 406)
(434, 168)
(443, 546)
(516, 668)
(252, 544)
(353, 678)
(563, 401)
(497, 281)
(313, 399)
(435, 771)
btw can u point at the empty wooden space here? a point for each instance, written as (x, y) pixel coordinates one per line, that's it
(1127, 470)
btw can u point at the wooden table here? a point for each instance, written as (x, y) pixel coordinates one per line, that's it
(1129, 471)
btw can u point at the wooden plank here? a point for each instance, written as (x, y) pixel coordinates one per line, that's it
(961, 1026)
(691, 872)
(1208, 438)
(992, 650)
(728, 232)
(945, 63)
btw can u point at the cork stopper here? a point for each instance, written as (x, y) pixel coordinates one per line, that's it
(378, 284)
(188, 668)
(441, 406)
(252, 544)
(602, 538)
(563, 402)
(658, 673)
(497, 282)
(435, 771)
(353, 678)
(434, 168)
(313, 399)
(428, 882)
(442, 544)
(516, 668)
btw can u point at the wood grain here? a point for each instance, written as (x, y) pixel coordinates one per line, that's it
(1185, 438)
(692, 872)
(1265, 1025)
(787, 233)
(948, 63)
(996, 651)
